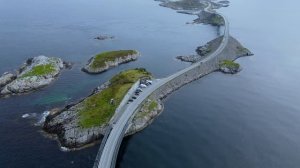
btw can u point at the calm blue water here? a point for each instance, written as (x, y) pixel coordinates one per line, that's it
(246, 120)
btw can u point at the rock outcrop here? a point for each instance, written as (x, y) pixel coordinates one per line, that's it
(209, 18)
(35, 73)
(229, 67)
(65, 124)
(104, 37)
(144, 117)
(188, 58)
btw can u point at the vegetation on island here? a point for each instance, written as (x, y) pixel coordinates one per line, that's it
(229, 64)
(100, 59)
(40, 70)
(97, 109)
(216, 20)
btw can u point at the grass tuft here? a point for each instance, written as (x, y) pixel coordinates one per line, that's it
(230, 64)
(40, 70)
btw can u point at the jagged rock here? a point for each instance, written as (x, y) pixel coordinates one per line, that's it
(203, 50)
(104, 37)
(6, 78)
(228, 70)
(189, 58)
(209, 18)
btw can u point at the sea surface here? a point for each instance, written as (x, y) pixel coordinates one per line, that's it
(251, 119)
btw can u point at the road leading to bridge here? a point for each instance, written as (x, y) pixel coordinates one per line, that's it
(117, 129)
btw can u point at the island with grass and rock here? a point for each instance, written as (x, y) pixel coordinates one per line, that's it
(106, 60)
(82, 123)
(229, 67)
(35, 73)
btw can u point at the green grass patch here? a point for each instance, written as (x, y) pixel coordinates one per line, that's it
(97, 109)
(40, 70)
(100, 59)
(152, 105)
(230, 64)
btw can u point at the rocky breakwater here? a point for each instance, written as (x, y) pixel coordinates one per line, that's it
(83, 123)
(35, 73)
(107, 60)
(229, 67)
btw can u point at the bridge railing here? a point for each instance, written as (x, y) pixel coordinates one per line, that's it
(103, 142)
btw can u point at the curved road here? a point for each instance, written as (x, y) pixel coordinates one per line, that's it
(118, 128)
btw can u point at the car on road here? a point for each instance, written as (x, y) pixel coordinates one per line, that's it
(149, 81)
(138, 90)
(143, 85)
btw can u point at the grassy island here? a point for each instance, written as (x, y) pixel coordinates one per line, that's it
(40, 70)
(100, 59)
(229, 64)
(96, 110)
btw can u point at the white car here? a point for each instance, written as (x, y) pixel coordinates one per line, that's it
(149, 81)
(143, 86)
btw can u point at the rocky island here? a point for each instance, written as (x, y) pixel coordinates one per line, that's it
(229, 67)
(35, 73)
(84, 122)
(104, 37)
(109, 59)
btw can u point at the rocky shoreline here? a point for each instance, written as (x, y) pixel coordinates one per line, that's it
(35, 73)
(109, 64)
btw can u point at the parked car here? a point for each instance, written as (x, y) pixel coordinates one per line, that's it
(133, 97)
(143, 85)
(136, 93)
(129, 101)
(139, 90)
(149, 81)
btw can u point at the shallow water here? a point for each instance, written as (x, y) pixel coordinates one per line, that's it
(246, 120)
